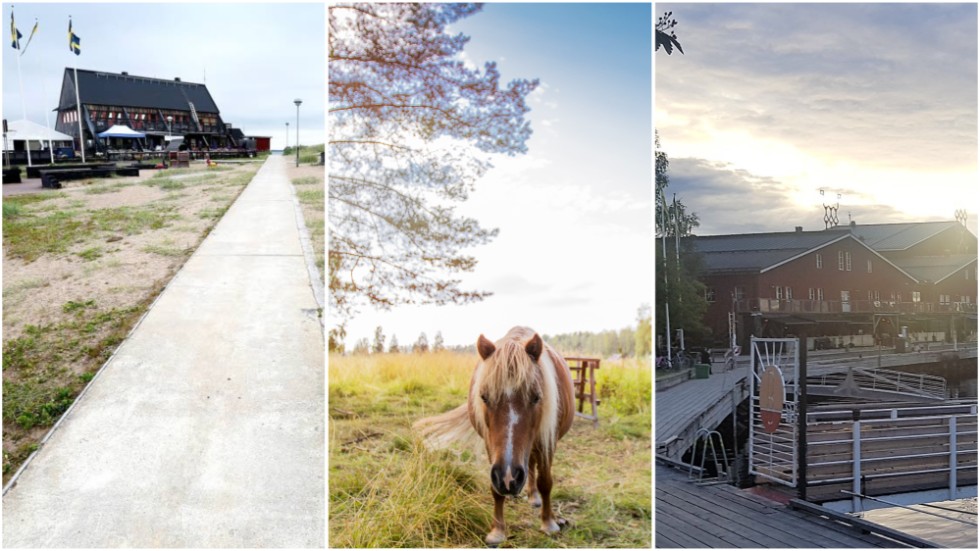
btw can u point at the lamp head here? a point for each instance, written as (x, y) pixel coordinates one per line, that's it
(297, 101)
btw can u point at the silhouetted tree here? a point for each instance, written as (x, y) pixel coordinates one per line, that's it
(412, 128)
(666, 36)
(362, 346)
(393, 345)
(379, 341)
(438, 345)
(422, 344)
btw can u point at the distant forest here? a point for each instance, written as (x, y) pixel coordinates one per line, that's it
(628, 342)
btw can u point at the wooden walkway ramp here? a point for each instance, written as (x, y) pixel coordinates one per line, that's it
(698, 403)
(722, 516)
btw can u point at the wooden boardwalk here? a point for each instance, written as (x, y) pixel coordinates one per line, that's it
(722, 516)
(698, 403)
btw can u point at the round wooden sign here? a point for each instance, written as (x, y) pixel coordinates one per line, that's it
(771, 396)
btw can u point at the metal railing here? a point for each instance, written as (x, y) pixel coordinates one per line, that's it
(902, 451)
(794, 306)
(920, 384)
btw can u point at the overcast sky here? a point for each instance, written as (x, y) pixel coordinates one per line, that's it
(574, 252)
(256, 58)
(771, 102)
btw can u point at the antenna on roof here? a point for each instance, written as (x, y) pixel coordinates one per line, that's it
(960, 215)
(830, 219)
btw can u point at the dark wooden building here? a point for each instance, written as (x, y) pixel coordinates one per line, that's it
(156, 107)
(854, 283)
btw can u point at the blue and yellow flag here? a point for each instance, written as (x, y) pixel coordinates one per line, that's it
(15, 35)
(74, 42)
(29, 38)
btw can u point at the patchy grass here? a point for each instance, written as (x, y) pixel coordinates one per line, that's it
(387, 490)
(311, 196)
(39, 385)
(90, 253)
(31, 235)
(80, 268)
(308, 183)
(103, 189)
(164, 250)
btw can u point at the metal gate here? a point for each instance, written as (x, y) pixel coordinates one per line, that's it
(774, 400)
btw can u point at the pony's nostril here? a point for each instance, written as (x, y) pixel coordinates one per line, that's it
(518, 478)
(495, 478)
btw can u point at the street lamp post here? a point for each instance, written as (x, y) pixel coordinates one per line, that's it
(287, 137)
(297, 101)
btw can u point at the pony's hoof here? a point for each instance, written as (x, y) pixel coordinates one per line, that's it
(534, 499)
(551, 526)
(496, 537)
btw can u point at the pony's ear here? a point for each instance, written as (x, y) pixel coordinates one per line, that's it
(485, 347)
(534, 347)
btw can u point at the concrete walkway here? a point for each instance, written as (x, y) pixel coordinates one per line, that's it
(206, 429)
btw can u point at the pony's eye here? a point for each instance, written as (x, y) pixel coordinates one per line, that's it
(535, 398)
(485, 399)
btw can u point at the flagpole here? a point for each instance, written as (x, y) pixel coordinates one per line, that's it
(44, 93)
(78, 101)
(78, 106)
(20, 80)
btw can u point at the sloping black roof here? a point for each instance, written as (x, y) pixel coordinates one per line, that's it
(757, 251)
(898, 236)
(101, 88)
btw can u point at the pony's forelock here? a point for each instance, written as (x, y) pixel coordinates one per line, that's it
(509, 371)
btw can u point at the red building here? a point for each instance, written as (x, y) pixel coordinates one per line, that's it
(848, 283)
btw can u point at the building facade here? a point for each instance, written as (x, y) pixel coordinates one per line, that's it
(156, 107)
(858, 284)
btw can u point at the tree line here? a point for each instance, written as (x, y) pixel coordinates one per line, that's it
(625, 342)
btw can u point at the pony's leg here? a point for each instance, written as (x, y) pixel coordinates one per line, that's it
(533, 495)
(498, 533)
(549, 523)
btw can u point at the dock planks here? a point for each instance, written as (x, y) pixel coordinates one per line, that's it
(719, 516)
(693, 404)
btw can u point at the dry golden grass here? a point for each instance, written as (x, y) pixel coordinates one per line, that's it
(387, 490)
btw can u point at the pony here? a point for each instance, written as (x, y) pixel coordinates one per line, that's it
(521, 402)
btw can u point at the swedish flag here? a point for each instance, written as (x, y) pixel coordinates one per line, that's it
(74, 42)
(29, 38)
(15, 35)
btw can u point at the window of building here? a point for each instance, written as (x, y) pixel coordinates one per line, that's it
(916, 296)
(869, 266)
(965, 299)
(847, 261)
(779, 293)
(966, 274)
(709, 294)
(840, 260)
(739, 293)
(789, 293)
(943, 299)
(819, 261)
(819, 293)
(898, 297)
(810, 293)
(876, 296)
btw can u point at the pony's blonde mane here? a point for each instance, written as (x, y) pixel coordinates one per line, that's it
(509, 370)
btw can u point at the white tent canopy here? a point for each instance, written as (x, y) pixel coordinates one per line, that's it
(121, 131)
(26, 130)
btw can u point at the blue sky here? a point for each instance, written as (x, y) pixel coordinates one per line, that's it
(772, 102)
(257, 57)
(574, 253)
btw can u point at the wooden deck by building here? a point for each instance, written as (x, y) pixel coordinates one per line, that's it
(721, 516)
(695, 404)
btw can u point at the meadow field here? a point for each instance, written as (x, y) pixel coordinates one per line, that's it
(387, 490)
